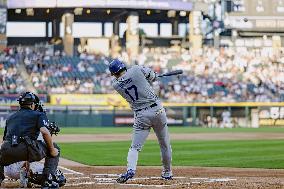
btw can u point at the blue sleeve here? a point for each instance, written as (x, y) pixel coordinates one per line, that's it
(42, 121)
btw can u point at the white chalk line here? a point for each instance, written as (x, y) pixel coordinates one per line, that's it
(149, 185)
(197, 178)
(117, 175)
(194, 182)
(81, 183)
(70, 170)
(102, 183)
(107, 181)
(78, 178)
(108, 175)
(155, 178)
(103, 179)
(220, 180)
(111, 181)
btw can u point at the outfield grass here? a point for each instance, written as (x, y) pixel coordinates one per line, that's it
(254, 154)
(109, 130)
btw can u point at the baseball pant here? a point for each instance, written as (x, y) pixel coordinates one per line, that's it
(12, 154)
(143, 121)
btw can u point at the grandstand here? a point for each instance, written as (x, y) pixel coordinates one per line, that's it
(240, 78)
(68, 49)
(225, 112)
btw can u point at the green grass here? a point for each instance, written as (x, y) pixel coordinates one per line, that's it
(256, 153)
(113, 130)
(109, 130)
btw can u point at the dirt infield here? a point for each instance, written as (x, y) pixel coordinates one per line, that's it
(185, 177)
(103, 177)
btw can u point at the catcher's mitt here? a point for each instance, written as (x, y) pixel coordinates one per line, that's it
(53, 128)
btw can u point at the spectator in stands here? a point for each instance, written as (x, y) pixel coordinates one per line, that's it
(211, 75)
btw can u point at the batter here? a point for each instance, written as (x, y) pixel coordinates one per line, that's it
(134, 86)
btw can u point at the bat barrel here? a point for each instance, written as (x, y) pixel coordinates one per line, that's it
(176, 72)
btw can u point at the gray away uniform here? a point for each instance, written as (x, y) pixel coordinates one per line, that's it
(134, 86)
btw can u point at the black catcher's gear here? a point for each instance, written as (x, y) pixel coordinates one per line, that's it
(27, 99)
(53, 128)
(38, 179)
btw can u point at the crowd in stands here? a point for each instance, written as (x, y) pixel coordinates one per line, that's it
(10, 80)
(211, 75)
(223, 75)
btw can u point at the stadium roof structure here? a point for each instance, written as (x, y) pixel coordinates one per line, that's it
(96, 15)
(179, 5)
(100, 11)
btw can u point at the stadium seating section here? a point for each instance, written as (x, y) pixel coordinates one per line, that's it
(209, 77)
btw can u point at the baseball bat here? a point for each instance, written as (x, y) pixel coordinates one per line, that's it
(176, 72)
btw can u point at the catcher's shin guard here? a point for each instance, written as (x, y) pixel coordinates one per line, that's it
(59, 178)
(39, 179)
(49, 183)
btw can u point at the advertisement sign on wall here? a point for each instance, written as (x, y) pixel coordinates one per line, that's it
(88, 99)
(271, 116)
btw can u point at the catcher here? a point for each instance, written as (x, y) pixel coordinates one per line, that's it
(20, 140)
(32, 173)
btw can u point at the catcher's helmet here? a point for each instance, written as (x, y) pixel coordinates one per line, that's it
(115, 66)
(27, 99)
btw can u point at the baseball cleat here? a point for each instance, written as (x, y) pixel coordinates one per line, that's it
(125, 176)
(167, 175)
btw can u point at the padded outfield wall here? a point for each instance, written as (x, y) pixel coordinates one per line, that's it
(111, 110)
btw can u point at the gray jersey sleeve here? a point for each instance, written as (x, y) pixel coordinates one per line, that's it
(149, 74)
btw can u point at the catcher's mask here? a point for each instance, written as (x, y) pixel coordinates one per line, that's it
(26, 99)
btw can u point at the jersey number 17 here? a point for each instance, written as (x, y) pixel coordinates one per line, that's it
(132, 92)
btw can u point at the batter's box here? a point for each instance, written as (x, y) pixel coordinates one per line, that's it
(154, 181)
(106, 175)
(159, 182)
(210, 180)
(67, 171)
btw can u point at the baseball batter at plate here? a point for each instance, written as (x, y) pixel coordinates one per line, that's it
(133, 84)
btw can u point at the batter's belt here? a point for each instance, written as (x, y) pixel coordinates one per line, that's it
(151, 106)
